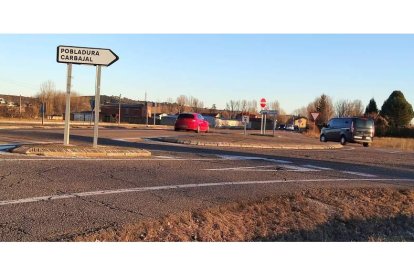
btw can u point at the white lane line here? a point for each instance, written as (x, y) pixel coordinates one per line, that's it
(317, 167)
(238, 157)
(359, 174)
(239, 168)
(186, 186)
(166, 157)
(260, 168)
(108, 159)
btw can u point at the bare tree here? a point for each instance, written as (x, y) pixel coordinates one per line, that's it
(195, 104)
(303, 111)
(346, 108)
(181, 101)
(252, 106)
(45, 95)
(244, 106)
(275, 105)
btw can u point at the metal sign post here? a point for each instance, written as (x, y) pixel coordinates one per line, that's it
(119, 111)
(88, 56)
(67, 110)
(155, 110)
(97, 105)
(245, 120)
(315, 116)
(261, 125)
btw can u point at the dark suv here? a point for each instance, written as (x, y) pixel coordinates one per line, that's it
(353, 129)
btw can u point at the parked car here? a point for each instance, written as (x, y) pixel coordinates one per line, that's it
(191, 121)
(282, 127)
(290, 127)
(350, 129)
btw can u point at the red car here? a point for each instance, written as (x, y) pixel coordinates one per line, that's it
(191, 121)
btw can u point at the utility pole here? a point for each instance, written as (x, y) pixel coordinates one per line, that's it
(119, 110)
(155, 110)
(146, 107)
(43, 112)
(20, 106)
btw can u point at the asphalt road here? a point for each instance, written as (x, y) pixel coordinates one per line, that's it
(44, 199)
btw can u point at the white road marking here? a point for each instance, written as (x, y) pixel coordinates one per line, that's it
(238, 168)
(317, 167)
(186, 186)
(166, 157)
(260, 168)
(238, 157)
(43, 158)
(359, 174)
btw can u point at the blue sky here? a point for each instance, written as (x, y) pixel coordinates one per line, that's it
(293, 69)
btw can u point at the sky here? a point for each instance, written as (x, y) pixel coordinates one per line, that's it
(293, 69)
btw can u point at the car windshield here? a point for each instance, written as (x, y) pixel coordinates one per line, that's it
(186, 116)
(361, 123)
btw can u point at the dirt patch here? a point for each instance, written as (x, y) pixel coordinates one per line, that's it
(315, 215)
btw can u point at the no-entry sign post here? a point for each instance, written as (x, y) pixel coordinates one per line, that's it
(263, 120)
(86, 56)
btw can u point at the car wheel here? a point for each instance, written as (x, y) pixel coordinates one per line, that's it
(343, 140)
(176, 129)
(198, 129)
(323, 138)
(365, 144)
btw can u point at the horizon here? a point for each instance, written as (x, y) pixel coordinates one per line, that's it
(292, 69)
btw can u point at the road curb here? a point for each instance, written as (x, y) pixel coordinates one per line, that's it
(79, 151)
(238, 145)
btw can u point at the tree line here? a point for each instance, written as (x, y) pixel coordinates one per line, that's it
(395, 112)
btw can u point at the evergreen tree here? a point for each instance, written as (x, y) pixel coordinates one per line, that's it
(397, 110)
(371, 107)
(324, 106)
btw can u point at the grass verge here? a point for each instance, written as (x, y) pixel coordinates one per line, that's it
(315, 215)
(394, 143)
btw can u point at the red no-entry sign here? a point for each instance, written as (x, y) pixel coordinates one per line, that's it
(263, 102)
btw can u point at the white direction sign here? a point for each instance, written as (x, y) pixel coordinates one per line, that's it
(85, 55)
(315, 115)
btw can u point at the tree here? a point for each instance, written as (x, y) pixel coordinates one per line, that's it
(346, 108)
(195, 104)
(45, 95)
(232, 107)
(371, 109)
(324, 106)
(303, 111)
(397, 110)
(181, 103)
(213, 108)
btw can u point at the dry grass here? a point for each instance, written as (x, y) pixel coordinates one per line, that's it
(315, 215)
(394, 143)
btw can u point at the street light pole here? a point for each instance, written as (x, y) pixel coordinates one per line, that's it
(146, 108)
(119, 110)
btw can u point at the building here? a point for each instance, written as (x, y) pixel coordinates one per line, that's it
(130, 113)
(83, 116)
(300, 122)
